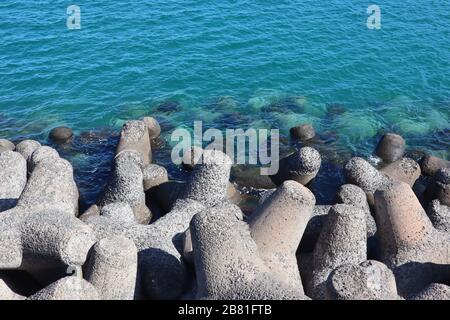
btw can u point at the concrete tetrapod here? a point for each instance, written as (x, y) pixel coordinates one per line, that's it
(27, 147)
(343, 240)
(7, 294)
(442, 186)
(126, 184)
(112, 267)
(6, 145)
(439, 215)
(405, 169)
(228, 264)
(153, 127)
(135, 137)
(370, 280)
(162, 273)
(430, 165)
(361, 173)
(68, 288)
(51, 185)
(154, 175)
(277, 227)
(435, 291)
(40, 154)
(13, 177)
(301, 166)
(355, 196)
(41, 234)
(410, 245)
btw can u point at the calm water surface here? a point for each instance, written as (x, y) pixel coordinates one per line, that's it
(231, 64)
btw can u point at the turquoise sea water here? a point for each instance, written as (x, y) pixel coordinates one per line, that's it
(231, 64)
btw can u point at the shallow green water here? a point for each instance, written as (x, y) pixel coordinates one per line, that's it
(228, 63)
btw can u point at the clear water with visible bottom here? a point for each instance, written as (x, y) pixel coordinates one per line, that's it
(231, 64)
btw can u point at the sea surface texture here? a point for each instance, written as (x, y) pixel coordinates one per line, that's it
(231, 64)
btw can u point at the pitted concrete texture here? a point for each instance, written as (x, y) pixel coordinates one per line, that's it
(42, 153)
(68, 288)
(370, 280)
(406, 170)
(51, 186)
(410, 245)
(301, 166)
(6, 145)
(26, 148)
(126, 185)
(227, 260)
(353, 195)
(135, 137)
(154, 175)
(342, 240)
(13, 178)
(41, 235)
(112, 268)
(435, 291)
(277, 227)
(208, 182)
(439, 215)
(153, 127)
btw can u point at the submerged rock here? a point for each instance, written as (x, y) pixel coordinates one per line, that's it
(168, 107)
(61, 134)
(303, 132)
(391, 147)
(251, 177)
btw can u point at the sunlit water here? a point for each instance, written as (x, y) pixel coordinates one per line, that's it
(235, 64)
